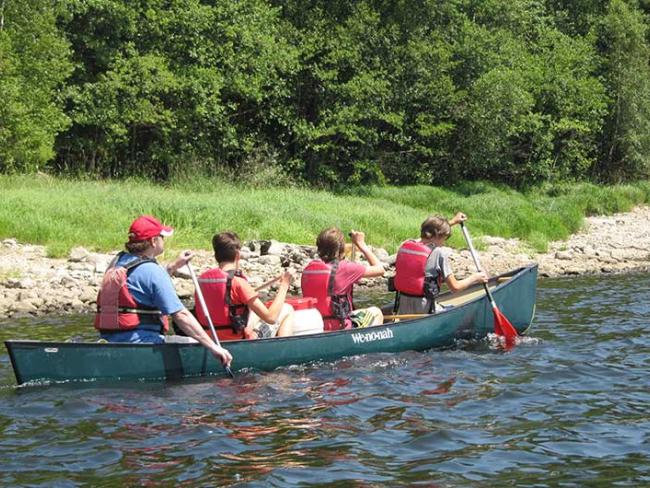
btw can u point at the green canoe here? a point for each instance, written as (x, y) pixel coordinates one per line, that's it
(471, 317)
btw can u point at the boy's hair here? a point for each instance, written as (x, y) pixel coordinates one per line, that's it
(330, 244)
(225, 245)
(435, 227)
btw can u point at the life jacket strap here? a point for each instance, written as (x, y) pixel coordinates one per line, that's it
(340, 305)
(139, 311)
(238, 321)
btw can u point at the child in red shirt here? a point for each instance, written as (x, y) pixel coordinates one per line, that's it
(263, 321)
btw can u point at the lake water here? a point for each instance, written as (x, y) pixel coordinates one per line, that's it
(568, 408)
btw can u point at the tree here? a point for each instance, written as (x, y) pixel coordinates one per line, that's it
(626, 146)
(34, 63)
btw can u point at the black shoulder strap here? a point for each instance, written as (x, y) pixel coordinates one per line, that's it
(137, 262)
(330, 283)
(237, 321)
(231, 274)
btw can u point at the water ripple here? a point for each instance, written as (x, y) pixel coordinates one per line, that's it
(568, 406)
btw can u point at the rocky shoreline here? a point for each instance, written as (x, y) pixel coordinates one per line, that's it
(32, 284)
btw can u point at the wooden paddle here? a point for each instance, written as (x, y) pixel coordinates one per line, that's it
(268, 283)
(502, 325)
(204, 307)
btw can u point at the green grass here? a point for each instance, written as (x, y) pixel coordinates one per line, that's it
(62, 213)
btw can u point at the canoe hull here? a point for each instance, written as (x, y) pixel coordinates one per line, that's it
(39, 361)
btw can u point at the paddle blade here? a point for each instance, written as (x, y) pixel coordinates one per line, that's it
(503, 327)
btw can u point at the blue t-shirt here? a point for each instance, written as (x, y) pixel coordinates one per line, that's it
(150, 286)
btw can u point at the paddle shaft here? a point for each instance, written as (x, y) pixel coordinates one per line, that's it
(472, 251)
(268, 283)
(204, 307)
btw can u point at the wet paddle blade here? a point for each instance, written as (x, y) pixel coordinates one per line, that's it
(503, 327)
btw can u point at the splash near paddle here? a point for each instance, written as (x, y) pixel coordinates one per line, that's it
(502, 326)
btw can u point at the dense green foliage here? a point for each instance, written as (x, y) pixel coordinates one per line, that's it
(329, 92)
(63, 213)
(34, 63)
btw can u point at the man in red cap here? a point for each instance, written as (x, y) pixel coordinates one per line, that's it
(137, 294)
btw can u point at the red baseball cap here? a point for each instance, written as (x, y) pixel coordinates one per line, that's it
(145, 227)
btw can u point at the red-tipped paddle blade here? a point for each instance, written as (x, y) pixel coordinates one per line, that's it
(503, 327)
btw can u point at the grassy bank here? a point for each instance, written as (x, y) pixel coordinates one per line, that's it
(62, 213)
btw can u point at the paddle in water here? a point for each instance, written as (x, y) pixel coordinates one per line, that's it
(502, 326)
(204, 307)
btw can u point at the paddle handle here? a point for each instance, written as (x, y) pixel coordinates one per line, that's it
(353, 249)
(472, 251)
(204, 307)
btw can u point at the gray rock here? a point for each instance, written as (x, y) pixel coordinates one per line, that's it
(564, 255)
(255, 281)
(78, 254)
(88, 295)
(381, 254)
(624, 255)
(185, 289)
(184, 273)
(67, 281)
(82, 266)
(24, 308)
(101, 264)
(11, 283)
(26, 284)
(589, 251)
(37, 302)
(270, 260)
(493, 241)
(5, 304)
(273, 248)
(27, 294)
(298, 257)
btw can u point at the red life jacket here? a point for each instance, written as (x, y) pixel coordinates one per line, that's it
(409, 268)
(117, 310)
(229, 319)
(317, 281)
(410, 276)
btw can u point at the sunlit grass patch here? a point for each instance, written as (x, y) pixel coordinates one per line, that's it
(62, 213)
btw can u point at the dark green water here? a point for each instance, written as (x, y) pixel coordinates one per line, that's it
(568, 408)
